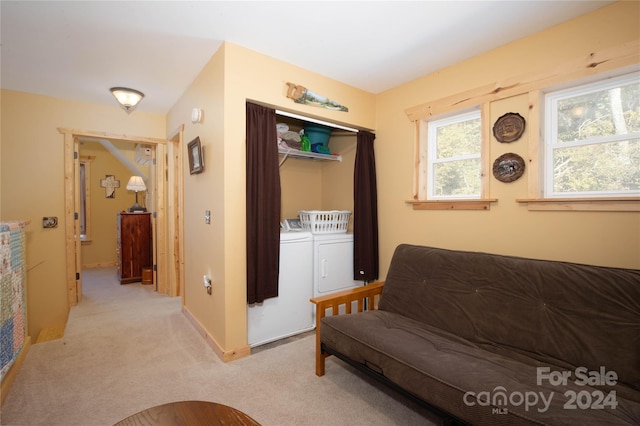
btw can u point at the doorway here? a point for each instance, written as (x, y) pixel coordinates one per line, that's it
(165, 196)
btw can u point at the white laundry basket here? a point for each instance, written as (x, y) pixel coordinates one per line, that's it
(325, 221)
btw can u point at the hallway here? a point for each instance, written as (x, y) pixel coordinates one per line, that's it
(127, 348)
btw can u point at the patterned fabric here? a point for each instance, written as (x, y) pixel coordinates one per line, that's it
(12, 293)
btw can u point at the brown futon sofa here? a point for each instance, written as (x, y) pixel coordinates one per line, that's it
(489, 339)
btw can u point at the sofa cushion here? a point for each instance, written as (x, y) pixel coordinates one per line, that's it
(440, 368)
(559, 313)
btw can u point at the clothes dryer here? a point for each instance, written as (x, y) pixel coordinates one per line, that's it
(333, 263)
(333, 266)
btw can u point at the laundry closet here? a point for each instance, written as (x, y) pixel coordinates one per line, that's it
(318, 184)
(311, 263)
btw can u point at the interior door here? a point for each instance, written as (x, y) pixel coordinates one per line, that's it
(76, 222)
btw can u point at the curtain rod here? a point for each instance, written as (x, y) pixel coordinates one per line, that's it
(313, 120)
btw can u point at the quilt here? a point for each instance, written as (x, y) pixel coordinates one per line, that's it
(12, 293)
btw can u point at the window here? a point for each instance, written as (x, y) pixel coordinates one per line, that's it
(84, 216)
(454, 164)
(592, 140)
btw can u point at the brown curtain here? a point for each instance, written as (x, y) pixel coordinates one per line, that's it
(365, 211)
(263, 204)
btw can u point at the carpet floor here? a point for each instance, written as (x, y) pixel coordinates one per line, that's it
(127, 348)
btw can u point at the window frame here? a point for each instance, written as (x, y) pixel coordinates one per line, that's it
(421, 199)
(433, 125)
(550, 98)
(599, 64)
(84, 215)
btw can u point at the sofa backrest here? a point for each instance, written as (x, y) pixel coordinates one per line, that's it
(556, 312)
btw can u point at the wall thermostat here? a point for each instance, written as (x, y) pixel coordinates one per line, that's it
(196, 115)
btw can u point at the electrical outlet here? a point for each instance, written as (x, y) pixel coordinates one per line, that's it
(207, 283)
(50, 222)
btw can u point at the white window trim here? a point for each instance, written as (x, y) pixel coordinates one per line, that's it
(550, 124)
(86, 161)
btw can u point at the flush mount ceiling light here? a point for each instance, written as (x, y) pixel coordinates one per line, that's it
(128, 98)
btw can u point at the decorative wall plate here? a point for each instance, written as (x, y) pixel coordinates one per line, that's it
(509, 127)
(508, 167)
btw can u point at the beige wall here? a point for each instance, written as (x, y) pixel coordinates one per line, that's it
(320, 185)
(509, 228)
(32, 180)
(205, 244)
(236, 75)
(251, 76)
(337, 177)
(233, 76)
(300, 183)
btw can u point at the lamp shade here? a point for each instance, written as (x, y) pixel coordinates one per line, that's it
(128, 98)
(136, 184)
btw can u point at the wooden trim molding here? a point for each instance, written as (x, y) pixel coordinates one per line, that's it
(71, 170)
(106, 135)
(225, 356)
(483, 204)
(617, 57)
(609, 61)
(11, 375)
(485, 156)
(622, 204)
(70, 223)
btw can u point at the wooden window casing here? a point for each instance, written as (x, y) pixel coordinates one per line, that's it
(616, 60)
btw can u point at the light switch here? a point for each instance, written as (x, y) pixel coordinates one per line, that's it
(207, 217)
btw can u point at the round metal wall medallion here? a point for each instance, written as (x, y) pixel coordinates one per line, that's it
(508, 167)
(509, 127)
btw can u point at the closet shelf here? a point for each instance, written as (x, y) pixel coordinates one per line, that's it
(290, 152)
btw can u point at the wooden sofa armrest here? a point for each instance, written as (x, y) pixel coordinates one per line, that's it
(334, 301)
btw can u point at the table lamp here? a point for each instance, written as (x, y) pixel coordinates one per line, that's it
(136, 184)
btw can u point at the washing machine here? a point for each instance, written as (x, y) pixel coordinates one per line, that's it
(291, 312)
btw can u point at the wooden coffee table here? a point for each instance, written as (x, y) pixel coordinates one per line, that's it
(189, 413)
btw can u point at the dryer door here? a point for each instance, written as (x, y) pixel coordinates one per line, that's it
(334, 266)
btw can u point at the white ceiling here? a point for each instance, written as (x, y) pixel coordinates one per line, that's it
(79, 49)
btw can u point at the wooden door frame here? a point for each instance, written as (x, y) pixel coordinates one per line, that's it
(175, 212)
(161, 193)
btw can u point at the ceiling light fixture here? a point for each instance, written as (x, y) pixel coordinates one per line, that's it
(128, 98)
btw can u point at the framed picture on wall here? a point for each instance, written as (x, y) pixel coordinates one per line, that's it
(196, 159)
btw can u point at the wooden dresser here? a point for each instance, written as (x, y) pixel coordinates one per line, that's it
(133, 249)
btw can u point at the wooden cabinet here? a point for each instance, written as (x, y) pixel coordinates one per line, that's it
(134, 250)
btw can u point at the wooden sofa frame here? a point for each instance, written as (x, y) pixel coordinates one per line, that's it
(366, 298)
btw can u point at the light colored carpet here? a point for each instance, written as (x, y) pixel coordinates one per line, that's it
(127, 348)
